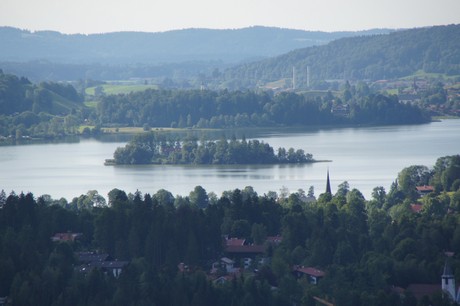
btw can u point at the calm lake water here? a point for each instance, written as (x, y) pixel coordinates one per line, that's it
(365, 157)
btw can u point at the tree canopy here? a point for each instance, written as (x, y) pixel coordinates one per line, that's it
(365, 247)
(157, 148)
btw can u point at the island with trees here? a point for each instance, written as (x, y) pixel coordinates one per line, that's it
(239, 248)
(157, 148)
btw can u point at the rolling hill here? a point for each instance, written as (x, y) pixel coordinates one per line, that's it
(47, 55)
(397, 54)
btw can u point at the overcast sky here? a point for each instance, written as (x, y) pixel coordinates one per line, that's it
(99, 16)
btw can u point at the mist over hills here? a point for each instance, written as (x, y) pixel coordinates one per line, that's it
(160, 47)
(48, 55)
(234, 59)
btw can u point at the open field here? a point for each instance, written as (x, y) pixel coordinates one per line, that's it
(114, 89)
(429, 75)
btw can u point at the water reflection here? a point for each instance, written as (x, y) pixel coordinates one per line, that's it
(365, 157)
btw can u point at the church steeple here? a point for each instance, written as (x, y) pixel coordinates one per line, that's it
(328, 183)
(448, 281)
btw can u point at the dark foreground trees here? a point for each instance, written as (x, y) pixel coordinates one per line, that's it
(365, 247)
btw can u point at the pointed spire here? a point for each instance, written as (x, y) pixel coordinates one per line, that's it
(448, 281)
(328, 183)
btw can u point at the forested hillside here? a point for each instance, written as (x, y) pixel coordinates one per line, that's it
(394, 55)
(47, 55)
(37, 109)
(20, 95)
(368, 252)
(51, 109)
(211, 109)
(176, 46)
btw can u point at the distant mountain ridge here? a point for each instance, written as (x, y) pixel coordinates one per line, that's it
(120, 48)
(397, 54)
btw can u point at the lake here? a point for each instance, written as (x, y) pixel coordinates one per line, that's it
(365, 157)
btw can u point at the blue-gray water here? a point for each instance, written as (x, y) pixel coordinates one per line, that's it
(365, 157)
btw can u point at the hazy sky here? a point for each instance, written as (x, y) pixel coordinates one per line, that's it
(98, 16)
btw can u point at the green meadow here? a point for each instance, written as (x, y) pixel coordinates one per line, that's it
(114, 89)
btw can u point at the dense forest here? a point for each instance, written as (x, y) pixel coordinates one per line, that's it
(389, 56)
(39, 110)
(211, 109)
(50, 109)
(156, 148)
(365, 248)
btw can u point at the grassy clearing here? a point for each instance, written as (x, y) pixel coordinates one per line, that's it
(114, 89)
(443, 117)
(277, 84)
(91, 104)
(429, 75)
(392, 91)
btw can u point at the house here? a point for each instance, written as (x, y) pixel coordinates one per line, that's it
(234, 242)
(66, 237)
(87, 257)
(93, 260)
(221, 280)
(421, 290)
(424, 190)
(228, 264)
(5, 301)
(113, 267)
(247, 261)
(447, 286)
(235, 247)
(245, 250)
(341, 110)
(313, 275)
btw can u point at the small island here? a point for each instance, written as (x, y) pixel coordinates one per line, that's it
(156, 148)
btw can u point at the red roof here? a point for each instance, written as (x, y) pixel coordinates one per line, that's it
(235, 241)
(310, 271)
(66, 236)
(416, 208)
(420, 290)
(254, 249)
(425, 188)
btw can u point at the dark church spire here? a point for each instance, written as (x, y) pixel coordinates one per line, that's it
(328, 183)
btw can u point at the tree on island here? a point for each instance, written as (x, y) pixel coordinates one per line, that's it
(154, 148)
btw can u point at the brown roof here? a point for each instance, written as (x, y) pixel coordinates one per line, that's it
(66, 236)
(254, 249)
(425, 188)
(416, 208)
(420, 290)
(235, 241)
(310, 271)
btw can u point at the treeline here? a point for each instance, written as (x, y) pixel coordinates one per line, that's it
(389, 56)
(43, 109)
(365, 247)
(212, 109)
(18, 95)
(156, 148)
(445, 176)
(54, 109)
